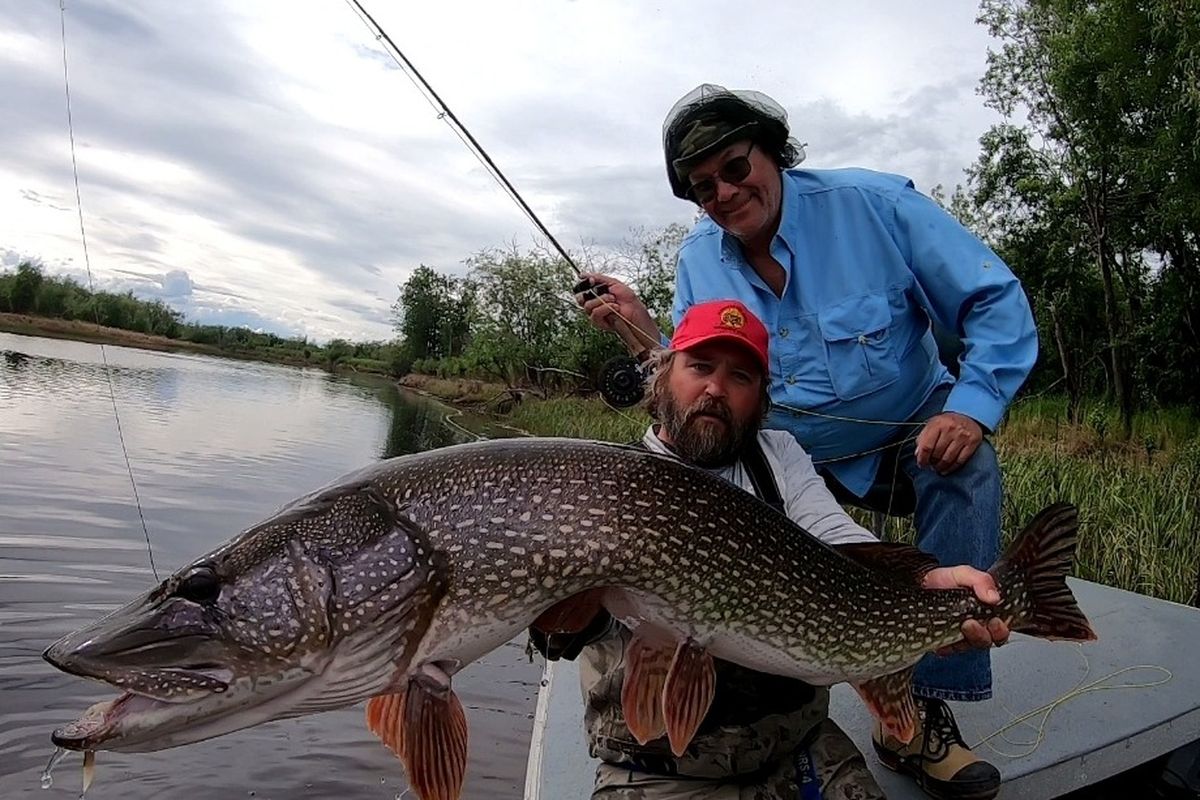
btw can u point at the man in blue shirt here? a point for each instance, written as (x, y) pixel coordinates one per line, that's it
(847, 268)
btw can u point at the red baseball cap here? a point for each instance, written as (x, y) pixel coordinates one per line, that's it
(723, 319)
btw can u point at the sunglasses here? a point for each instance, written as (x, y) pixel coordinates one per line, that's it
(733, 171)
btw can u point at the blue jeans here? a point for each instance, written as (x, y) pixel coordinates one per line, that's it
(957, 520)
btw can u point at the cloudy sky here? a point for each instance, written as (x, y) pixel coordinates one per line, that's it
(266, 164)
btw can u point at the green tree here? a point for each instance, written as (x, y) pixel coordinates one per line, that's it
(433, 313)
(23, 291)
(1086, 191)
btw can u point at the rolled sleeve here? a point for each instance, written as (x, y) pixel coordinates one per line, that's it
(807, 499)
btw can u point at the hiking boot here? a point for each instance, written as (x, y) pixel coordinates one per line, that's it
(937, 758)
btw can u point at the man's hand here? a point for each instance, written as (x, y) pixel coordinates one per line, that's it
(619, 299)
(948, 441)
(975, 633)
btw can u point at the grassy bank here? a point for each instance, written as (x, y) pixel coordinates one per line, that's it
(82, 331)
(1138, 500)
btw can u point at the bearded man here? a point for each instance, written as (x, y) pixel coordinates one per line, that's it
(765, 737)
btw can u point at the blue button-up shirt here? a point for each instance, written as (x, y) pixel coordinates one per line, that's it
(869, 260)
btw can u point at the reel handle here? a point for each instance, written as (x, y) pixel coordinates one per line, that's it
(624, 331)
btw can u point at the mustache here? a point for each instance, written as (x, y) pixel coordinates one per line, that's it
(711, 406)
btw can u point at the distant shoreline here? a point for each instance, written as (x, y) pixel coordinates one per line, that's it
(81, 331)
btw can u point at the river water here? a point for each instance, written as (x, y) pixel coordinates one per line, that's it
(215, 446)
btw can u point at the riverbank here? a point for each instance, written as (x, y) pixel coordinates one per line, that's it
(82, 331)
(78, 330)
(576, 417)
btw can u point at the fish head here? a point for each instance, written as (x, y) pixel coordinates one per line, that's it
(316, 608)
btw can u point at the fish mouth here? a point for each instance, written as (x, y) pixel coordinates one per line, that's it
(165, 684)
(153, 697)
(103, 721)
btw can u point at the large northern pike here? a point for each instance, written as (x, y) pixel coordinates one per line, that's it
(384, 584)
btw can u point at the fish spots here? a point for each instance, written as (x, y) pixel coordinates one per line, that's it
(556, 553)
(517, 551)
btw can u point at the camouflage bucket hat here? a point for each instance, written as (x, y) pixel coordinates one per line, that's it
(711, 117)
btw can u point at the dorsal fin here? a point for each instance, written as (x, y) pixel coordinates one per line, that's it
(902, 562)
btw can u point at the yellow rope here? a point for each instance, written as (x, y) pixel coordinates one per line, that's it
(1079, 690)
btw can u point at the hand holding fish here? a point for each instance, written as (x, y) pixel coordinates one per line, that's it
(975, 633)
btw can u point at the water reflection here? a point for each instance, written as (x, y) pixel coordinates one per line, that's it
(215, 446)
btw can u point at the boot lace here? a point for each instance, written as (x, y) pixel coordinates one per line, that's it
(939, 731)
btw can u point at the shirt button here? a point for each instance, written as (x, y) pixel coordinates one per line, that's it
(783, 332)
(862, 339)
(791, 378)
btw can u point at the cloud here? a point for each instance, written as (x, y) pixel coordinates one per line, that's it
(280, 162)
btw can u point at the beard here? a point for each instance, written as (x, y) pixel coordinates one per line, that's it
(698, 439)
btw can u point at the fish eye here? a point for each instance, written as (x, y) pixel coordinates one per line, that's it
(201, 586)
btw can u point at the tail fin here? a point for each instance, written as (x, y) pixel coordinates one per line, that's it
(1032, 576)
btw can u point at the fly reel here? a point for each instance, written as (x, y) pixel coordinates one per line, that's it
(622, 382)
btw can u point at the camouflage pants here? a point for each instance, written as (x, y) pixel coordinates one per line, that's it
(838, 772)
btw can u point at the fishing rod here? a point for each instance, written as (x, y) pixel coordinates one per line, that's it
(622, 379)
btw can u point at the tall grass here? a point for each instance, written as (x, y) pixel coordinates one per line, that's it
(1139, 500)
(577, 417)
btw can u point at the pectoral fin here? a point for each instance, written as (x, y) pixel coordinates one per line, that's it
(385, 719)
(687, 694)
(427, 728)
(435, 743)
(889, 698)
(646, 668)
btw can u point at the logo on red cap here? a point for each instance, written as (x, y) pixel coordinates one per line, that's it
(732, 317)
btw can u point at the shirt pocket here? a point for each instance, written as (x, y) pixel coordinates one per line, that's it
(859, 345)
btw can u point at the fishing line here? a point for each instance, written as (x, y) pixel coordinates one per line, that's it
(1078, 690)
(112, 395)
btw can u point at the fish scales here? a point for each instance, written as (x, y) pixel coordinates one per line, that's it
(547, 488)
